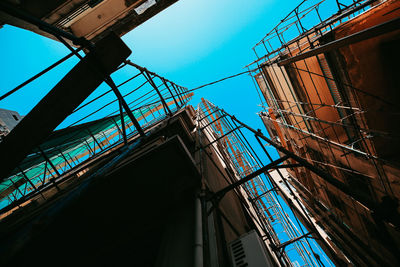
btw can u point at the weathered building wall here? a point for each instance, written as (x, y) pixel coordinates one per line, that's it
(360, 177)
(348, 127)
(372, 68)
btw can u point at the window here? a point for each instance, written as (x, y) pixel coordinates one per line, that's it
(15, 117)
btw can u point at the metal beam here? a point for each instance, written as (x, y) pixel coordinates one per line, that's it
(121, 112)
(287, 243)
(217, 139)
(169, 90)
(150, 80)
(285, 166)
(61, 101)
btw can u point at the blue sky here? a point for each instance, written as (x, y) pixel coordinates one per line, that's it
(195, 42)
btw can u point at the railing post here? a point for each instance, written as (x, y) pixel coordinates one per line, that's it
(169, 90)
(178, 93)
(49, 161)
(150, 80)
(123, 124)
(95, 140)
(111, 83)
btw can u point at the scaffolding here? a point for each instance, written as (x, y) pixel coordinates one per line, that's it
(145, 99)
(98, 125)
(292, 71)
(291, 242)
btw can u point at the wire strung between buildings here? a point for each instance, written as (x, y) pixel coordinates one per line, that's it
(302, 103)
(220, 80)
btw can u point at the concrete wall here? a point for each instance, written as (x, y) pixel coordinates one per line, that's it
(9, 118)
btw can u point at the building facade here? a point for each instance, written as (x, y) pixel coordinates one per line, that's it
(91, 20)
(8, 120)
(147, 180)
(331, 96)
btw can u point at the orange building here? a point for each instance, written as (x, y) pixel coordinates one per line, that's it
(332, 95)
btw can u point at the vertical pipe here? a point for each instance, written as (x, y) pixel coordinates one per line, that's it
(198, 240)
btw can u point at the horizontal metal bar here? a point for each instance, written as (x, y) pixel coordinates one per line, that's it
(143, 69)
(285, 166)
(285, 244)
(219, 138)
(371, 32)
(208, 115)
(260, 171)
(208, 124)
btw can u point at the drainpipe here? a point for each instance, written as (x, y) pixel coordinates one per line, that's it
(198, 239)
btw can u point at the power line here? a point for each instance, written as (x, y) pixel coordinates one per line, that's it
(220, 80)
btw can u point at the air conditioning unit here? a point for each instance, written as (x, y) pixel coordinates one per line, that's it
(249, 251)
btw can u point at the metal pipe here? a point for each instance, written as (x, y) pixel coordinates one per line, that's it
(198, 239)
